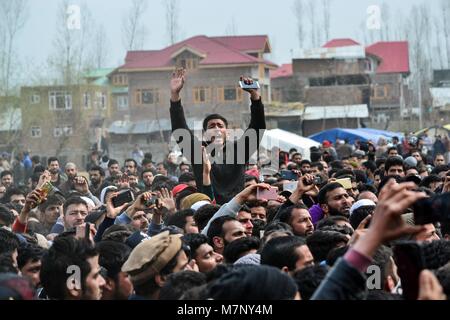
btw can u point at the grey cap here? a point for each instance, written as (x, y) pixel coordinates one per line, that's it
(411, 161)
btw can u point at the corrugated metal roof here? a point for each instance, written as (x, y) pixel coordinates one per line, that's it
(441, 97)
(11, 120)
(348, 52)
(149, 126)
(336, 112)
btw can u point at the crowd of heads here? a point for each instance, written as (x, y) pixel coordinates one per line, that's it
(171, 240)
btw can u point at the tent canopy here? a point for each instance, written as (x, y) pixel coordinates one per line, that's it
(362, 134)
(286, 140)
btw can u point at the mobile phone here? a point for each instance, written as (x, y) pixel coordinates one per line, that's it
(122, 198)
(87, 231)
(152, 201)
(346, 183)
(410, 262)
(434, 209)
(254, 85)
(263, 194)
(288, 175)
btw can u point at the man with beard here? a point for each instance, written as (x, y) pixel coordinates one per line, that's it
(334, 200)
(57, 179)
(227, 178)
(147, 177)
(298, 217)
(96, 176)
(71, 172)
(224, 230)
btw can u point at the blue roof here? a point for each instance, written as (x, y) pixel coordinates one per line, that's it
(362, 134)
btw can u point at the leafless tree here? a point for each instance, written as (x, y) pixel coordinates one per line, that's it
(231, 29)
(13, 14)
(172, 11)
(298, 10)
(315, 32)
(445, 12)
(326, 4)
(438, 47)
(385, 22)
(100, 47)
(70, 57)
(134, 31)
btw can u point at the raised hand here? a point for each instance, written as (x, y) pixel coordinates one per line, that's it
(81, 185)
(254, 93)
(166, 200)
(177, 83)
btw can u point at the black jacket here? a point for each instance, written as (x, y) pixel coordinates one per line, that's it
(227, 179)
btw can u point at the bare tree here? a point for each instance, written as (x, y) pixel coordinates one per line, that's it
(13, 15)
(438, 47)
(385, 22)
(172, 26)
(298, 13)
(313, 21)
(100, 47)
(326, 18)
(445, 12)
(231, 29)
(134, 31)
(70, 58)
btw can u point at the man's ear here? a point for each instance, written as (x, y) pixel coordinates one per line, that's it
(285, 269)
(160, 280)
(390, 284)
(325, 209)
(74, 293)
(110, 285)
(218, 242)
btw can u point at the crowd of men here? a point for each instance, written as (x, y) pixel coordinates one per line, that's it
(208, 230)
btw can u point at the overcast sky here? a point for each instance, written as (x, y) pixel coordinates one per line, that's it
(207, 17)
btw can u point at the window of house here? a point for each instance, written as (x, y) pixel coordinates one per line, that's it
(35, 98)
(188, 63)
(57, 132)
(60, 100)
(68, 130)
(202, 94)
(86, 100)
(122, 102)
(62, 131)
(229, 94)
(147, 96)
(35, 132)
(103, 100)
(380, 92)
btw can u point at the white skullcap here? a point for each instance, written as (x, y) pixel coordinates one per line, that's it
(362, 203)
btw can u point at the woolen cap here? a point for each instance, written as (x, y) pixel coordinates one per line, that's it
(149, 257)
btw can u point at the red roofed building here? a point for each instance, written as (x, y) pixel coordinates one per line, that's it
(344, 73)
(214, 65)
(335, 43)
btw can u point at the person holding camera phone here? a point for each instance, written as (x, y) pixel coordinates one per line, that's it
(216, 125)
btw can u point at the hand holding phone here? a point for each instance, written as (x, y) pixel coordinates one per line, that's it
(125, 196)
(263, 194)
